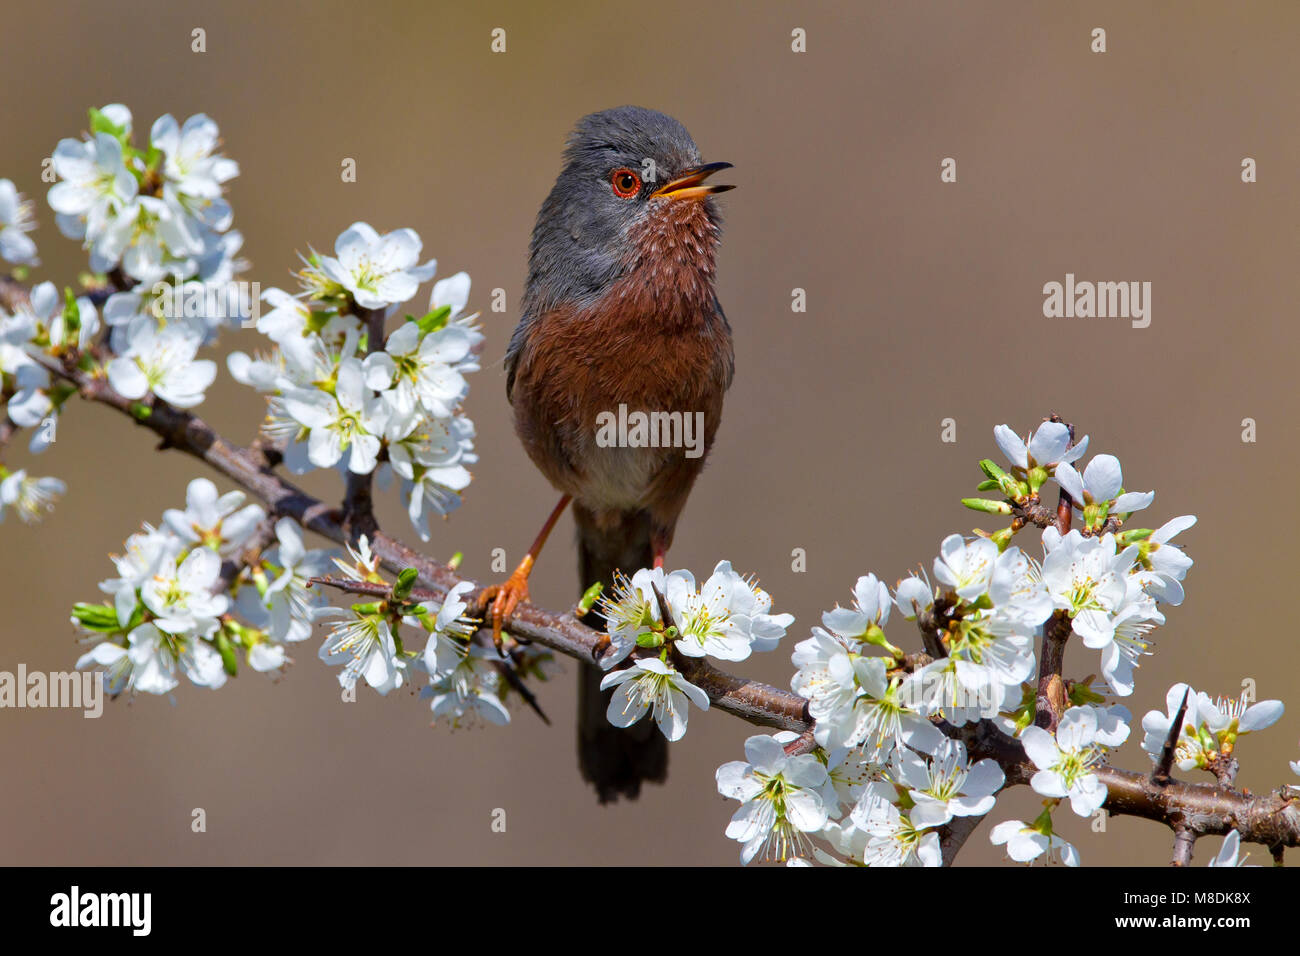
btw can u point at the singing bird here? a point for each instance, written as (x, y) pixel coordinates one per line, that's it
(619, 310)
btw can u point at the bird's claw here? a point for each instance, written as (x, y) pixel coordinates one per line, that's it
(504, 598)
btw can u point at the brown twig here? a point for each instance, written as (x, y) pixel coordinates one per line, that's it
(1270, 819)
(1184, 841)
(805, 743)
(932, 623)
(1161, 774)
(263, 537)
(1052, 699)
(358, 499)
(1224, 767)
(953, 836)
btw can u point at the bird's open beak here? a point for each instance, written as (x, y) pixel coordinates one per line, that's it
(689, 185)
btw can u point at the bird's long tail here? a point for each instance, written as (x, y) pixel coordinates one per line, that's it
(616, 761)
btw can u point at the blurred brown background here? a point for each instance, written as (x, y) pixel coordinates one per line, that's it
(924, 302)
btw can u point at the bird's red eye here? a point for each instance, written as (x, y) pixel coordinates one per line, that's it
(625, 182)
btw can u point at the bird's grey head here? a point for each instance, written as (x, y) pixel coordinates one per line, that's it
(631, 192)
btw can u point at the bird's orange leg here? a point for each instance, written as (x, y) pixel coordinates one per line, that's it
(506, 597)
(659, 548)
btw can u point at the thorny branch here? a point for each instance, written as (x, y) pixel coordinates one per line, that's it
(1052, 699)
(358, 499)
(1191, 810)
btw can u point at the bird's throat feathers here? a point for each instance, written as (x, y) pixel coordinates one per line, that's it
(669, 269)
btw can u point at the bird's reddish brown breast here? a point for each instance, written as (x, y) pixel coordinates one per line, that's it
(655, 342)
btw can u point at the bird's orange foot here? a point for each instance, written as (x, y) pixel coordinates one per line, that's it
(504, 598)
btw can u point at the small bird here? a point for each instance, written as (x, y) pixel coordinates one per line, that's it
(619, 309)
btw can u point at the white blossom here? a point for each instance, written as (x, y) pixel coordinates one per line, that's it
(1047, 447)
(162, 361)
(181, 595)
(914, 595)
(116, 664)
(1017, 588)
(1066, 762)
(211, 521)
(377, 270)
(1162, 565)
(430, 456)
(849, 770)
(289, 606)
(349, 420)
(1210, 728)
(15, 222)
(630, 609)
(726, 618)
(854, 703)
(154, 657)
(1101, 484)
(780, 799)
(364, 565)
(650, 685)
(871, 604)
(1132, 621)
(147, 552)
(965, 567)
(415, 369)
(1085, 577)
(31, 498)
(467, 689)
(962, 690)
(95, 186)
(363, 644)
(893, 837)
(447, 624)
(1228, 852)
(1026, 842)
(453, 292)
(194, 173)
(947, 784)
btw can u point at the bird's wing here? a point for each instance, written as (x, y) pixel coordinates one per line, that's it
(518, 342)
(731, 357)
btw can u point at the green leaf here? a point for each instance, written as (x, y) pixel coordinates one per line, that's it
(1081, 693)
(1129, 535)
(96, 617)
(589, 598)
(435, 319)
(1002, 537)
(137, 616)
(227, 650)
(405, 581)
(71, 311)
(60, 392)
(99, 123)
(319, 318)
(876, 635)
(649, 639)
